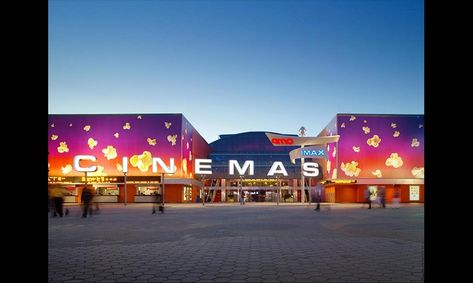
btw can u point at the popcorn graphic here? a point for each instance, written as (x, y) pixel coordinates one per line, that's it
(342, 125)
(70, 125)
(127, 126)
(167, 125)
(352, 118)
(184, 165)
(329, 165)
(119, 167)
(190, 155)
(110, 152)
(67, 169)
(334, 174)
(377, 173)
(62, 147)
(139, 117)
(52, 125)
(187, 145)
(87, 128)
(356, 149)
(92, 143)
(172, 139)
(99, 172)
(396, 134)
(116, 135)
(374, 141)
(366, 130)
(394, 160)
(185, 131)
(334, 151)
(143, 161)
(415, 143)
(420, 126)
(151, 141)
(364, 121)
(328, 147)
(418, 172)
(393, 125)
(350, 169)
(54, 137)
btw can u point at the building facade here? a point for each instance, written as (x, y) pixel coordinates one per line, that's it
(134, 154)
(138, 138)
(375, 152)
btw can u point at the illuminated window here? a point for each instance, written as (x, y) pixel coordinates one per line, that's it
(414, 193)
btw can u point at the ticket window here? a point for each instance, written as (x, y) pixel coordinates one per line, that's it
(147, 190)
(106, 190)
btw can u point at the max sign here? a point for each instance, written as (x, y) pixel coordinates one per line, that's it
(204, 166)
(308, 152)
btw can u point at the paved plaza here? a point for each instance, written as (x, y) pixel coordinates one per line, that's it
(233, 243)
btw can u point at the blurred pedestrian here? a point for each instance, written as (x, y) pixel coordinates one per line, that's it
(86, 198)
(57, 195)
(318, 196)
(368, 197)
(382, 197)
(396, 197)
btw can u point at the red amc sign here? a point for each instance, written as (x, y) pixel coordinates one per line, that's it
(282, 141)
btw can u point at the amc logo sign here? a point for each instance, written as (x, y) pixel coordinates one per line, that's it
(282, 141)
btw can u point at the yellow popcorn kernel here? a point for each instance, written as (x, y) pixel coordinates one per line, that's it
(142, 161)
(87, 128)
(119, 167)
(167, 125)
(116, 135)
(54, 137)
(374, 141)
(364, 121)
(418, 172)
(52, 125)
(172, 139)
(394, 160)
(356, 148)
(393, 125)
(329, 165)
(366, 130)
(139, 117)
(415, 143)
(127, 126)
(184, 166)
(334, 174)
(377, 173)
(352, 118)
(350, 169)
(70, 125)
(67, 169)
(396, 134)
(62, 147)
(92, 143)
(342, 125)
(151, 141)
(110, 152)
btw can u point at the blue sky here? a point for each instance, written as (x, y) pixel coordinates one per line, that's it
(237, 66)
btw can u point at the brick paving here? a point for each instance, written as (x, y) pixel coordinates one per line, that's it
(233, 243)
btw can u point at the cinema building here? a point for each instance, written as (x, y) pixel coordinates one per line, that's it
(135, 156)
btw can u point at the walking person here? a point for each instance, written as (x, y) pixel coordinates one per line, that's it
(57, 195)
(318, 196)
(382, 197)
(368, 197)
(86, 197)
(396, 197)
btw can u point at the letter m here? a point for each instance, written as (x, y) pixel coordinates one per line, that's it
(248, 164)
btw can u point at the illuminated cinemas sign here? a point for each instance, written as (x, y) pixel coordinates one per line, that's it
(203, 166)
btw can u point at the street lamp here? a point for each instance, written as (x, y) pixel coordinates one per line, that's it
(302, 131)
(202, 189)
(241, 191)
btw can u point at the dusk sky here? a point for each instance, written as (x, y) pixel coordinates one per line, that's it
(237, 66)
